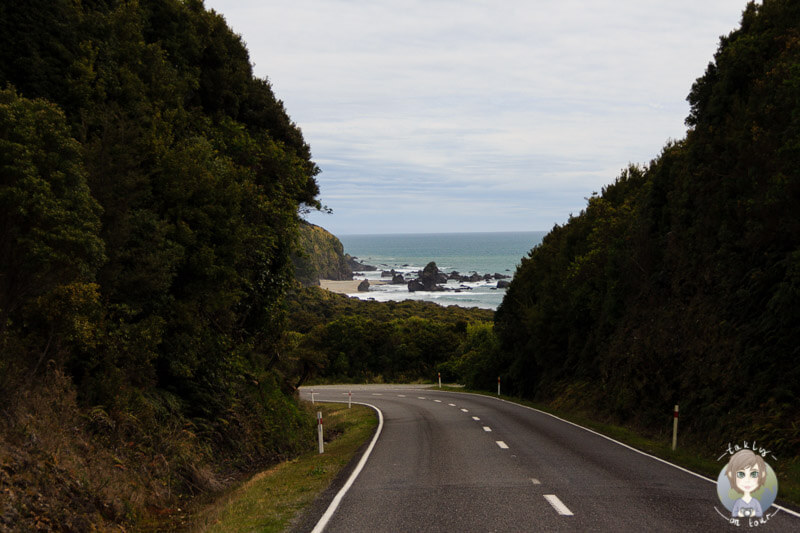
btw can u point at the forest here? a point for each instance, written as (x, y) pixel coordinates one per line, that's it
(152, 329)
(150, 197)
(680, 282)
(337, 339)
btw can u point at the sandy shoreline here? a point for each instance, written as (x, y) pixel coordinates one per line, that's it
(345, 287)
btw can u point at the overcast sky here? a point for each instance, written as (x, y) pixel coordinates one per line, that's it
(446, 116)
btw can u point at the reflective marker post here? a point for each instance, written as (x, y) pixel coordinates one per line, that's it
(675, 429)
(312, 397)
(498, 385)
(319, 432)
(440, 380)
(349, 399)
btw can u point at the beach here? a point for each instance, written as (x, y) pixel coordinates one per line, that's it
(346, 286)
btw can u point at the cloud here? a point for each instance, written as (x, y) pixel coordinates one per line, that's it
(467, 113)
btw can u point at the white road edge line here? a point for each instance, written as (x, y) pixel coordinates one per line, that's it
(326, 517)
(557, 504)
(502, 444)
(660, 460)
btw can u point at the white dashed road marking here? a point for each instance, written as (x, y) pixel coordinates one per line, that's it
(465, 410)
(502, 444)
(535, 481)
(487, 429)
(451, 404)
(475, 418)
(438, 401)
(557, 504)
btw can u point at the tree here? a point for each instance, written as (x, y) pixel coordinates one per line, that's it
(50, 248)
(678, 282)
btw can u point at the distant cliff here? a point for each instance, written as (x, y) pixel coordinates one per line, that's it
(321, 256)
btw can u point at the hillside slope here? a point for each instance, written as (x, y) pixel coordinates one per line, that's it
(149, 200)
(680, 283)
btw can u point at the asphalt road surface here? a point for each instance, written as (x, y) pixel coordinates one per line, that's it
(455, 462)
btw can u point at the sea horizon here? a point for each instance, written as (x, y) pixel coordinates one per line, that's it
(493, 253)
(414, 233)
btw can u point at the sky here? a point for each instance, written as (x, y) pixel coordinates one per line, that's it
(430, 116)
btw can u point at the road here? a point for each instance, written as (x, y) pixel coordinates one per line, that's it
(454, 462)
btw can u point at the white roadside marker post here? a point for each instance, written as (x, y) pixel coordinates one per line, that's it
(498, 385)
(319, 432)
(440, 380)
(675, 429)
(349, 399)
(312, 397)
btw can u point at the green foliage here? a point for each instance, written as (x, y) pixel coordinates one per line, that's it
(678, 283)
(50, 247)
(480, 361)
(346, 339)
(150, 192)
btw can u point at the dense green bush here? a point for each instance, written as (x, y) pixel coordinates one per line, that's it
(150, 188)
(345, 339)
(679, 283)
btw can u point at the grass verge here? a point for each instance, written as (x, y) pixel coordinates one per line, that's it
(270, 500)
(692, 456)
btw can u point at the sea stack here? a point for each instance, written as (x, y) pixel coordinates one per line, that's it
(428, 279)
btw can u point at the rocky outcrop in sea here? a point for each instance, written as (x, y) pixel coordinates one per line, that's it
(358, 266)
(432, 279)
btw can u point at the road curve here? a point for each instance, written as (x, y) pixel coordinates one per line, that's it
(454, 462)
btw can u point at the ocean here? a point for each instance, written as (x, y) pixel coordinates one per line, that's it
(484, 253)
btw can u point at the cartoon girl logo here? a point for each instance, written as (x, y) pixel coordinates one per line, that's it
(747, 485)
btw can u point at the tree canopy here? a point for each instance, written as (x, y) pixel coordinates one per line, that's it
(150, 188)
(679, 282)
